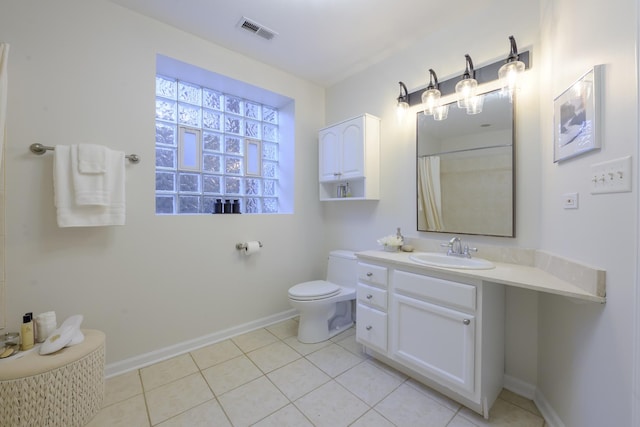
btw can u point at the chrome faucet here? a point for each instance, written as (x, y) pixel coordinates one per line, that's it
(456, 248)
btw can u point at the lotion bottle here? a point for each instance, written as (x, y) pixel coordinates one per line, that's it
(26, 332)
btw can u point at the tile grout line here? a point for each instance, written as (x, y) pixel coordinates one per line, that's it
(334, 340)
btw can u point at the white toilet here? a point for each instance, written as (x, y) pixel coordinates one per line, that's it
(326, 307)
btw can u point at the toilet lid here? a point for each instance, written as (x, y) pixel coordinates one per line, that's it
(315, 289)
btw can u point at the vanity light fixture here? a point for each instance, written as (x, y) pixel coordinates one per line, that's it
(511, 70)
(467, 87)
(464, 88)
(441, 112)
(475, 104)
(431, 96)
(403, 102)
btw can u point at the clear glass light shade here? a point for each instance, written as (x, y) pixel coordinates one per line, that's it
(508, 75)
(466, 89)
(401, 110)
(430, 100)
(475, 104)
(441, 112)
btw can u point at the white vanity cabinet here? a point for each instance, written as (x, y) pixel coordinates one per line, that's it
(371, 308)
(442, 314)
(349, 152)
(443, 332)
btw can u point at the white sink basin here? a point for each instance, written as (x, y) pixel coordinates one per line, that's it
(437, 259)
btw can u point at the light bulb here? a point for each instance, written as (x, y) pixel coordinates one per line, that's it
(508, 75)
(466, 89)
(441, 112)
(431, 100)
(401, 110)
(475, 104)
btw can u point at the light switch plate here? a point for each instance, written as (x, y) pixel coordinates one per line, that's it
(613, 176)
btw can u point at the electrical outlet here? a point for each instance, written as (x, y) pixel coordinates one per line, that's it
(570, 201)
(613, 176)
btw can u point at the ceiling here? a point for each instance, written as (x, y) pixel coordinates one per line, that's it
(322, 41)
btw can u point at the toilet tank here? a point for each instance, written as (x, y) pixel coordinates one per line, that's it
(342, 268)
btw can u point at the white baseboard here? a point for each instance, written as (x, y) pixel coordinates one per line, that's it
(137, 362)
(530, 391)
(547, 411)
(519, 387)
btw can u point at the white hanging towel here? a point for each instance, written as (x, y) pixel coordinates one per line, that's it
(69, 212)
(89, 172)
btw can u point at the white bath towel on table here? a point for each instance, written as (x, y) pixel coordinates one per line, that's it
(71, 214)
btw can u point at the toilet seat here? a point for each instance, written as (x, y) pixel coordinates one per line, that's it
(314, 290)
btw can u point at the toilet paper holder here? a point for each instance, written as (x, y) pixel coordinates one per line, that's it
(242, 246)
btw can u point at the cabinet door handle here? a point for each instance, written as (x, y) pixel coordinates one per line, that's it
(369, 327)
(369, 296)
(466, 321)
(369, 274)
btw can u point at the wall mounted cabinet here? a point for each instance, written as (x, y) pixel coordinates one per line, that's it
(349, 152)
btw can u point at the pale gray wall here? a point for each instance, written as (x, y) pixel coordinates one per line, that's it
(359, 224)
(586, 351)
(579, 356)
(83, 71)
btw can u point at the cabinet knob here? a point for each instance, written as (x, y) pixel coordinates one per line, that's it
(369, 296)
(369, 327)
(369, 274)
(466, 321)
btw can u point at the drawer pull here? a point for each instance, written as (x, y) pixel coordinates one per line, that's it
(466, 321)
(369, 296)
(369, 274)
(369, 327)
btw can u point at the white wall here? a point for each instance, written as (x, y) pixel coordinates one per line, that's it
(579, 356)
(585, 358)
(83, 71)
(358, 224)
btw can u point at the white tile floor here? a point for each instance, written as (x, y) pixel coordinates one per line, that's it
(267, 378)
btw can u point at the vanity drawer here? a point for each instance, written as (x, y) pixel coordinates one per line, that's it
(369, 295)
(441, 291)
(372, 273)
(371, 327)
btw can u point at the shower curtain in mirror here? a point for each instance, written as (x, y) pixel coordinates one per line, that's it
(429, 193)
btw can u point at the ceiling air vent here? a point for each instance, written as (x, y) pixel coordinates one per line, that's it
(257, 29)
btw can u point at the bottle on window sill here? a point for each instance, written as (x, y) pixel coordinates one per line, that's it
(217, 206)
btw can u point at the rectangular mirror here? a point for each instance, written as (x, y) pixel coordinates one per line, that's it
(466, 170)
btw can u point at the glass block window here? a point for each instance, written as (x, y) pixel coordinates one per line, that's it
(213, 145)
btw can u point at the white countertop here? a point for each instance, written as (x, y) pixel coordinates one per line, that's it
(517, 275)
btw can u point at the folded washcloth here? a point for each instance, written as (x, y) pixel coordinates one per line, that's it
(92, 158)
(89, 188)
(70, 213)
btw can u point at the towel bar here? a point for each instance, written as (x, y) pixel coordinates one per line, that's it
(40, 149)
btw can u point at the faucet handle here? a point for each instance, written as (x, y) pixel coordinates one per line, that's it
(448, 245)
(468, 250)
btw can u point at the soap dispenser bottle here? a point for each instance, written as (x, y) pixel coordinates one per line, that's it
(26, 332)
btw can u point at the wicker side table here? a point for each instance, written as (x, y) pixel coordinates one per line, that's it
(62, 389)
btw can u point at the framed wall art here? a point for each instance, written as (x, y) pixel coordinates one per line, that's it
(576, 117)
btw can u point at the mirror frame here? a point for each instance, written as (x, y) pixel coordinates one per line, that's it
(512, 234)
